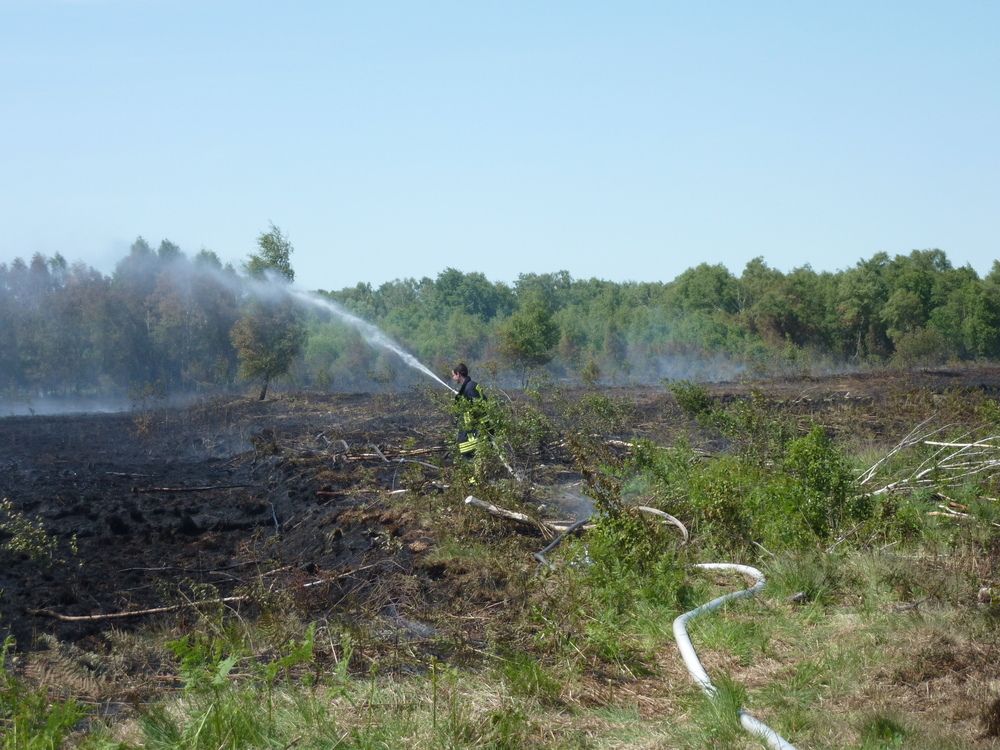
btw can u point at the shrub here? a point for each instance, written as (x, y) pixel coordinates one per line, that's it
(29, 718)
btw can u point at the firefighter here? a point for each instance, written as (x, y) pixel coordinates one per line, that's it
(470, 421)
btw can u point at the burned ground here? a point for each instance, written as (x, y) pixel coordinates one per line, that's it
(161, 505)
(303, 502)
(161, 502)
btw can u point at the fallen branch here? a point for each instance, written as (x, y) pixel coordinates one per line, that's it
(953, 516)
(134, 613)
(977, 444)
(191, 489)
(512, 515)
(950, 465)
(911, 439)
(415, 461)
(379, 454)
(165, 568)
(425, 451)
(175, 607)
(843, 537)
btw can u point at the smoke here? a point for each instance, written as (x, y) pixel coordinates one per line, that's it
(24, 407)
(572, 499)
(701, 369)
(274, 286)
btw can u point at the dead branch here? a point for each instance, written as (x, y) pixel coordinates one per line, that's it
(953, 516)
(134, 613)
(547, 529)
(414, 461)
(619, 443)
(976, 444)
(400, 457)
(911, 439)
(424, 451)
(175, 607)
(952, 463)
(166, 568)
(843, 537)
(191, 489)
(540, 556)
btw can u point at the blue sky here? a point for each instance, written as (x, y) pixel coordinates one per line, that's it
(624, 141)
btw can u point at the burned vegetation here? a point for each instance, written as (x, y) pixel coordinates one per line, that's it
(347, 515)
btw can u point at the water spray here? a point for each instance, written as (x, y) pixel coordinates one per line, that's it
(369, 331)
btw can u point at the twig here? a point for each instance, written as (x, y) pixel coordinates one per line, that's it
(843, 537)
(763, 548)
(134, 613)
(175, 607)
(274, 515)
(414, 461)
(165, 568)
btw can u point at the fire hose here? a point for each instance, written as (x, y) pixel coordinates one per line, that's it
(693, 663)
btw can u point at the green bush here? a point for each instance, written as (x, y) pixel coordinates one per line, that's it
(29, 718)
(693, 398)
(773, 490)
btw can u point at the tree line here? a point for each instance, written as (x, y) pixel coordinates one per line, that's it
(189, 324)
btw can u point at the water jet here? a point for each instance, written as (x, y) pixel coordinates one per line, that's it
(369, 331)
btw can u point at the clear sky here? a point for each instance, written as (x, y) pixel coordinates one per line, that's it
(618, 140)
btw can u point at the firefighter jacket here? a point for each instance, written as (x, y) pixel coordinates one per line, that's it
(472, 419)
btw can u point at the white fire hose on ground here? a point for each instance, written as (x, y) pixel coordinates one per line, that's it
(693, 663)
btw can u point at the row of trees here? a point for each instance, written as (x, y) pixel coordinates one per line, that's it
(192, 324)
(161, 321)
(905, 310)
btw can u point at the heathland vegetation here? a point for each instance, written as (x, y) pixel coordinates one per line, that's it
(171, 323)
(869, 504)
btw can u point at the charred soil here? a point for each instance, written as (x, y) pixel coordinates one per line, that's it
(163, 505)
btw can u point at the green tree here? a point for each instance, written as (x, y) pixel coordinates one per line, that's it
(707, 288)
(528, 336)
(270, 333)
(862, 292)
(268, 337)
(980, 315)
(274, 255)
